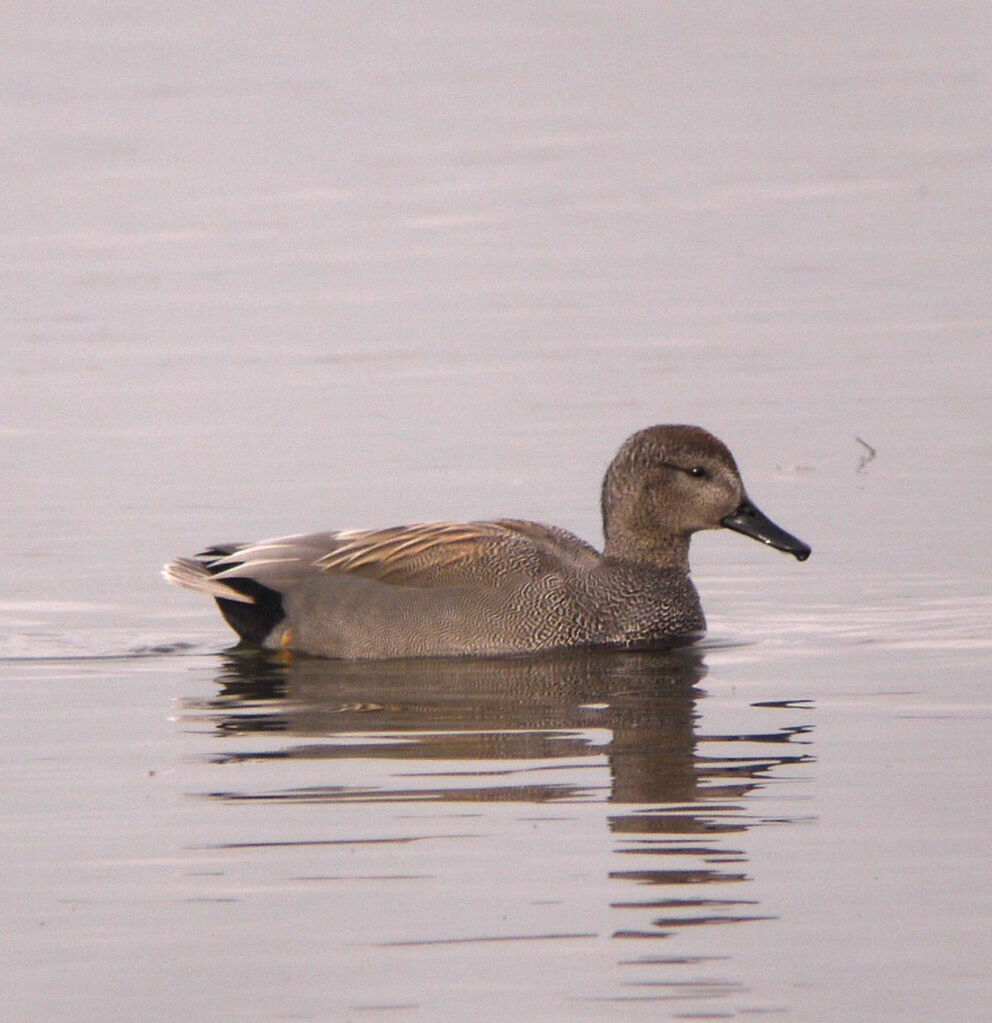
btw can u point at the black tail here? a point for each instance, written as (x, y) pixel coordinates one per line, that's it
(252, 622)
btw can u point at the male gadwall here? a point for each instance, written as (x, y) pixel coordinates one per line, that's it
(499, 587)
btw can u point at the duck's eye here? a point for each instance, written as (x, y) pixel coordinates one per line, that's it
(699, 472)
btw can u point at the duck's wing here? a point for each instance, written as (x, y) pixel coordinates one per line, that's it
(448, 553)
(427, 554)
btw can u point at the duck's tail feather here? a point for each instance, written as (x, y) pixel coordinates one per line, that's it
(191, 574)
(250, 608)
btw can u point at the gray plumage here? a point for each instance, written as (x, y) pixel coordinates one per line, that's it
(501, 586)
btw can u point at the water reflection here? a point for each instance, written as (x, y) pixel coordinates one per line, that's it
(613, 728)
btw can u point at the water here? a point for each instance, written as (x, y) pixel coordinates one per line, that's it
(277, 271)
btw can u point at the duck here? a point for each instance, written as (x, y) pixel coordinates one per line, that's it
(500, 586)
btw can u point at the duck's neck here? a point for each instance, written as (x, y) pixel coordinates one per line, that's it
(662, 551)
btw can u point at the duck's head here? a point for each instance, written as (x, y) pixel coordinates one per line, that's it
(668, 482)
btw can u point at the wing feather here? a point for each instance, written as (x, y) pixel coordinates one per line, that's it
(405, 551)
(425, 554)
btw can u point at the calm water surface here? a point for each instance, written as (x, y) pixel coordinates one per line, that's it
(271, 271)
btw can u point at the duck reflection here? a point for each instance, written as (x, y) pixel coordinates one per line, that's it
(534, 729)
(638, 708)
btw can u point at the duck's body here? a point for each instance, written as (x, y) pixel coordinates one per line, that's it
(497, 587)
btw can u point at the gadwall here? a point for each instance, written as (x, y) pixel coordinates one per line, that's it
(499, 587)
